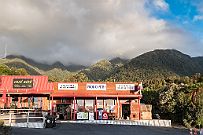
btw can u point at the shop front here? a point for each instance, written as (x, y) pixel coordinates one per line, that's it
(74, 101)
(25, 92)
(96, 101)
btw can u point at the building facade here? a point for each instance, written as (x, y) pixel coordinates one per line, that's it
(74, 101)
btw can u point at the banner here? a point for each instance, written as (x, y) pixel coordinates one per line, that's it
(67, 86)
(125, 86)
(22, 83)
(96, 86)
(82, 116)
(91, 116)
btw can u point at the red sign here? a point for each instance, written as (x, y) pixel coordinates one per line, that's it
(105, 116)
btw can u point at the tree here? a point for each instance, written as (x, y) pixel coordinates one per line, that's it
(80, 77)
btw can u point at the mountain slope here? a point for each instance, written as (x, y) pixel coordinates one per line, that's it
(154, 64)
(157, 63)
(171, 60)
(99, 71)
(46, 67)
(198, 60)
(19, 63)
(118, 61)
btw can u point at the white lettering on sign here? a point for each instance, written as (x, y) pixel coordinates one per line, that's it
(96, 86)
(125, 86)
(67, 86)
(82, 116)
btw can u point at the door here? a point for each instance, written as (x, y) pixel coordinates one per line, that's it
(63, 111)
(126, 111)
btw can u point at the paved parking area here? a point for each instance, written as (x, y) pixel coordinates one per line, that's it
(94, 129)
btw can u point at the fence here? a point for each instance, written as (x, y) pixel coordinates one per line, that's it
(23, 118)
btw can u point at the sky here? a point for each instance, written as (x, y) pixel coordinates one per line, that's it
(86, 31)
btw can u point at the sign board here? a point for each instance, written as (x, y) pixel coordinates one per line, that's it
(67, 86)
(82, 116)
(125, 86)
(22, 83)
(91, 116)
(96, 86)
(104, 116)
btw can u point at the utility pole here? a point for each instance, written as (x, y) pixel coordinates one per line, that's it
(5, 51)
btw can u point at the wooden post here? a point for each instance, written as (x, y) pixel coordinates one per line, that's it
(96, 107)
(28, 115)
(71, 115)
(10, 117)
(52, 104)
(139, 114)
(103, 104)
(49, 104)
(118, 108)
(84, 104)
(74, 108)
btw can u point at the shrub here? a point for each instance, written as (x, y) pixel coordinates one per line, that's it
(1, 123)
(5, 130)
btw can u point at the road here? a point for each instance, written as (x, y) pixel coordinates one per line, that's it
(94, 129)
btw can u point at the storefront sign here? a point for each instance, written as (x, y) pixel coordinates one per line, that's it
(82, 116)
(91, 116)
(96, 86)
(67, 86)
(104, 116)
(22, 83)
(125, 86)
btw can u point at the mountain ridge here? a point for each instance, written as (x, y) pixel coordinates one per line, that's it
(46, 67)
(158, 63)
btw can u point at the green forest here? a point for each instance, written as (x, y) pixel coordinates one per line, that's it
(179, 99)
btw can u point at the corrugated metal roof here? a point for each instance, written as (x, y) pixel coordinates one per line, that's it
(40, 84)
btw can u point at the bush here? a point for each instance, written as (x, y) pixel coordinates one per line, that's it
(1, 123)
(4, 130)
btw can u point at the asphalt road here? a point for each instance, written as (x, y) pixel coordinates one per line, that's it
(94, 129)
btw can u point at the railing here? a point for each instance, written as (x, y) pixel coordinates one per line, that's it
(23, 117)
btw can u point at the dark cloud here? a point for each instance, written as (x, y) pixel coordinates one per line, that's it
(82, 32)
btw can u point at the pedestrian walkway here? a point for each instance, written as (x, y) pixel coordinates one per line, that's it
(158, 123)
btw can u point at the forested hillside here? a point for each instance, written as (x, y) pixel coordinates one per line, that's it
(179, 99)
(158, 64)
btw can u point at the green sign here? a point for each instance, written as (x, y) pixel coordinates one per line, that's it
(22, 83)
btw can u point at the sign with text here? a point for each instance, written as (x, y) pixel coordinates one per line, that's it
(22, 83)
(82, 116)
(125, 86)
(96, 86)
(67, 86)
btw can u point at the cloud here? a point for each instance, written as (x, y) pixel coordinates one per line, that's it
(82, 32)
(198, 18)
(161, 5)
(199, 6)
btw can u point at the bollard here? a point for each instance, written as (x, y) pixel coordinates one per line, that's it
(201, 131)
(191, 132)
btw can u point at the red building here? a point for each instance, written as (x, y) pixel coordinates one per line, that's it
(71, 101)
(25, 91)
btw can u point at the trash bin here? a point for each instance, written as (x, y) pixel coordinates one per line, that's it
(50, 121)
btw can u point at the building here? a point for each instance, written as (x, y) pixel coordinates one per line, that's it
(72, 101)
